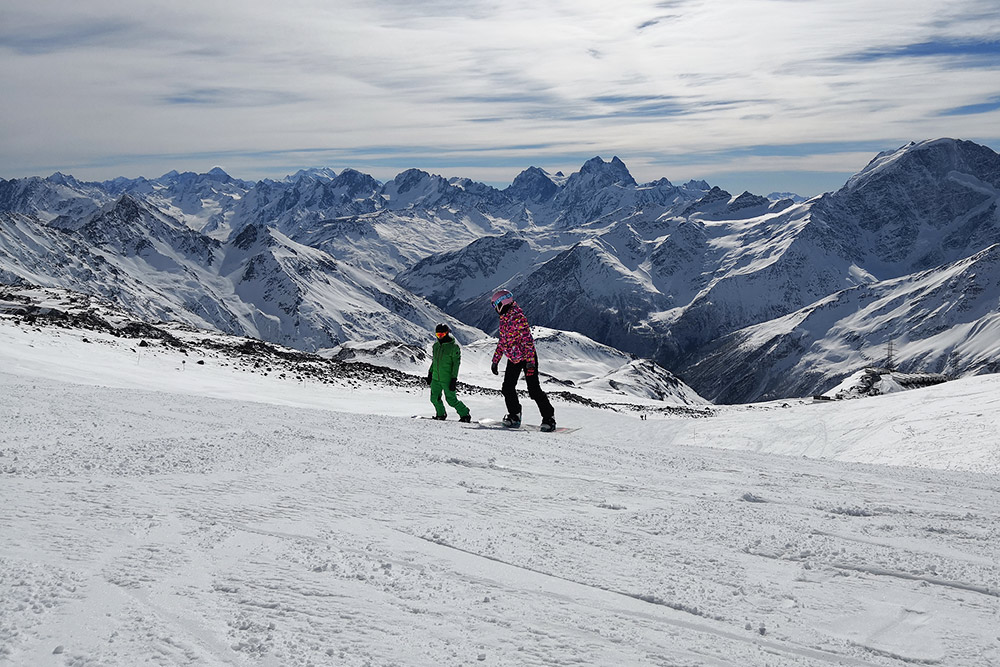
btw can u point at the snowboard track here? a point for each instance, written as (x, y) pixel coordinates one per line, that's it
(763, 644)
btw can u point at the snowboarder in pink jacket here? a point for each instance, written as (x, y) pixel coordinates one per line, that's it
(518, 346)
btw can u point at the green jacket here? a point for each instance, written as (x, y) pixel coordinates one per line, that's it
(445, 360)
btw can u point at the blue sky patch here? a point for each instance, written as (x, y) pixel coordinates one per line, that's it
(32, 41)
(974, 53)
(972, 109)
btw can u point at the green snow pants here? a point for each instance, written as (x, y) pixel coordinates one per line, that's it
(436, 389)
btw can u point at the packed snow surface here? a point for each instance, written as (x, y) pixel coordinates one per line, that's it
(155, 510)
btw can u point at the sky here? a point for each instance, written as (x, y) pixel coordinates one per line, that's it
(759, 95)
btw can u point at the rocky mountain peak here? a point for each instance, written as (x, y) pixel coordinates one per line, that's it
(906, 198)
(714, 201)
(533, 185)
(748, 200)
(355, 184)
(247, 238)
(218, 174)
(127, 208)
(320, 173)
(934, 159)
(661, 183)
(606, 173)
(60, 178)
(409, 179)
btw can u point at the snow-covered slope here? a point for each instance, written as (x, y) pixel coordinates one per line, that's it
(52, 197)
(307, 199)
(299, 296)
(944, 320)
(205, 202)
(595, 287)
(918, 207)
(197, 504)
(573, 362)
(458, 280)
(570, 362)
(261, 284)
(127, 251)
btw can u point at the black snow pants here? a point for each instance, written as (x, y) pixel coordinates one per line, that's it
(509, 390)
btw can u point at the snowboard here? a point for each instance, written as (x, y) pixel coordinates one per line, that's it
(496, 424)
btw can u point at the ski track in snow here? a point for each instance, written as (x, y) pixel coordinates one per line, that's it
(158, 527)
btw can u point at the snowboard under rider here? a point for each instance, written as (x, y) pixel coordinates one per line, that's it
(446, 356)
(519, 347)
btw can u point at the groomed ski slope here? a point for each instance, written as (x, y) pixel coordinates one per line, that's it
(154, 512)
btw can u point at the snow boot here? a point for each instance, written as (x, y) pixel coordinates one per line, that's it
(511, 421)
(466, 419)
(440, 418)
(548, 425)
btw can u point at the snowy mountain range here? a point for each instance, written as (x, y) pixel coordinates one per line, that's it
(684, 285)
(745, 297)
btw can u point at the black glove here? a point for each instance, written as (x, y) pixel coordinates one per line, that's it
(429, 378)
(496, 371)
(453, 385)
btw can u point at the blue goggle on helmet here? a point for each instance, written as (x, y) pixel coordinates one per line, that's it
(501, 298)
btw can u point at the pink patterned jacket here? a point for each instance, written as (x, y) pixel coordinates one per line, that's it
(515, 339)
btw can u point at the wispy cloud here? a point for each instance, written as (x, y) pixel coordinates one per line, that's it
(684, 85)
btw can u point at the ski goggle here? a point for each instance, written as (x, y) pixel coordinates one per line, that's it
(440, 334)
(499, 301)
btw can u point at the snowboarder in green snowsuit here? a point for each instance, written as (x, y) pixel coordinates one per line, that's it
(443, 374)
